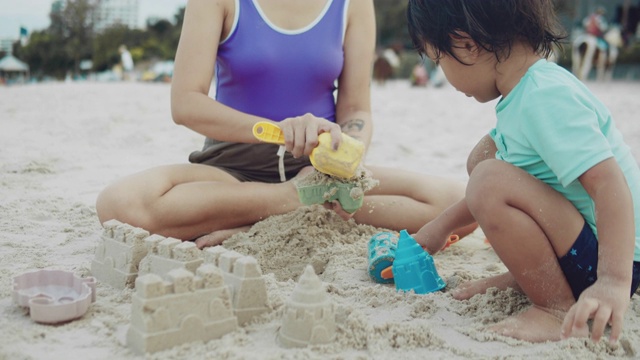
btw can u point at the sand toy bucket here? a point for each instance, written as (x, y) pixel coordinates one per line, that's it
(413, 268)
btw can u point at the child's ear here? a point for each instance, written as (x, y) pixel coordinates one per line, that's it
(466, 47)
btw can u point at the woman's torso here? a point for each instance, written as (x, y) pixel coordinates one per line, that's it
(275, 61)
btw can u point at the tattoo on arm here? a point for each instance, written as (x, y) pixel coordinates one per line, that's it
(353, 127)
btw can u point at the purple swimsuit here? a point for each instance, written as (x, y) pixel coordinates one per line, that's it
(275, 73)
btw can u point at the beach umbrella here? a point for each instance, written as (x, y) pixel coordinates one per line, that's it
(10, 63)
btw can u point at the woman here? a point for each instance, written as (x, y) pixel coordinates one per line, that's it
(280, 62)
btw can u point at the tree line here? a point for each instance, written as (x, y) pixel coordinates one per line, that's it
(71, 38)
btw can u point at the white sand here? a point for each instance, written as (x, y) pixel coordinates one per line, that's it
(62, 143)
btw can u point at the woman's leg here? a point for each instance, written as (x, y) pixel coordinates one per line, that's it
(530, 225)
(190, 200)
(408, 200)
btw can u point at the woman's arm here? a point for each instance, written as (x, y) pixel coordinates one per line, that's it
(206, 23)
(353, 106)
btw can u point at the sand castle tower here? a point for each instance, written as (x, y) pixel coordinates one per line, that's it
(118, 254)
(309, 315)
(181, 309)
(244, 277)
(413, 268)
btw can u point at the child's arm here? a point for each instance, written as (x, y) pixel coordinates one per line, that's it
(606, 301)
(433, 235)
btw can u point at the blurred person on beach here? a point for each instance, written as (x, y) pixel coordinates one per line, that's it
(281, 62)
(553, 186)
(126, 62)
(419, 75)
(596, 25)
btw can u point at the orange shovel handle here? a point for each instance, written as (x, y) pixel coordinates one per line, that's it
(452, 240)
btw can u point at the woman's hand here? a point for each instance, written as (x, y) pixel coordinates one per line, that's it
(301, 133)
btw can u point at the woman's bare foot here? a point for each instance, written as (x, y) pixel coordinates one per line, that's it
(217, 237)
(468, 289)
(535, 324)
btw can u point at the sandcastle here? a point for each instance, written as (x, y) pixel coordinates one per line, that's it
(309, 315)
(173, 306)
(182, 309)
(183, 294)
(118, 254)
(244, 278)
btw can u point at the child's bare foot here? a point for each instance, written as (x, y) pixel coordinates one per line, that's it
(535, 324)
(217, 237)
(468, 289)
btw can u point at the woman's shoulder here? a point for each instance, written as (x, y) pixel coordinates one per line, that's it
(226, 7)
(359, 6)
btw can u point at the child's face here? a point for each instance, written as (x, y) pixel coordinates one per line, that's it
(475, 80)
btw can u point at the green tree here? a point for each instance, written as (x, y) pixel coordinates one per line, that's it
(106, 44)
(45, 55)
(391, 22)
(71, 38)
(75, 28)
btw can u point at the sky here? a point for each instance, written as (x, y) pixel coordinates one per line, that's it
(34, 14)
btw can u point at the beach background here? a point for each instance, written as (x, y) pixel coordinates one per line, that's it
(61, 143)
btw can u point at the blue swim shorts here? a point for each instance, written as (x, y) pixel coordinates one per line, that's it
(580, 264)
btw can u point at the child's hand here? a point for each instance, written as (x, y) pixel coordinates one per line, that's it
(605, 302)
(432, 237)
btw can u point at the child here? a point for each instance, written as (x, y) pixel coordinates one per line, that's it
(553, 162)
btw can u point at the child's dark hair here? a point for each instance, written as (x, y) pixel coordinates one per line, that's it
(493, 24)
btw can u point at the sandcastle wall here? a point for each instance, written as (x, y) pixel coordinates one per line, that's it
(184, 308)
(166, 254)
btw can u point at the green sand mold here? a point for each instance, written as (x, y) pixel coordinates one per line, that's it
(350, 196)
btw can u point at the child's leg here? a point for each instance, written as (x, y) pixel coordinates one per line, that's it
(530, 225)
(468, 289)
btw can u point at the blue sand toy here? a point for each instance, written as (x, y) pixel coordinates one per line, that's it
(382, 252)
(413, 268)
